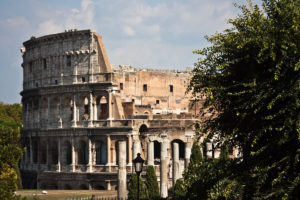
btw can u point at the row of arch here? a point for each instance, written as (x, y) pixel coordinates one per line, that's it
(82, 186)
(52, 110)
(45, 152)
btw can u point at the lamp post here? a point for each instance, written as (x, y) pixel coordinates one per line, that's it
(138, 167)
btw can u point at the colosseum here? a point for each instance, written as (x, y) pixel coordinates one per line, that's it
(77, 108)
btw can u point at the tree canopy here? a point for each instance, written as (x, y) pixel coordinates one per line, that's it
(10, 149)
(250, 77)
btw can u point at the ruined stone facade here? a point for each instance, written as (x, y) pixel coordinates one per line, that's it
(77, 107)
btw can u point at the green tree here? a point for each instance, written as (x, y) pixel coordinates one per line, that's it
(250, 77)
(151, 183)
(10, 154)
(195, 161)
(132, 189)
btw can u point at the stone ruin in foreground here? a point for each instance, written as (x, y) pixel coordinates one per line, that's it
(77, 108)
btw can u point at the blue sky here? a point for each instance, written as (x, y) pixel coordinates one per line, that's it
(143, 33)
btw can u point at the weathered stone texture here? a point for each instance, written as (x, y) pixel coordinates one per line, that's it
(76, 108)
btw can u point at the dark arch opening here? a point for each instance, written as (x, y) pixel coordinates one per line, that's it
(68, 187)
(82, 153)
(83, 187)
(35, 151)
(67, 153)
(156, 149)
(181, 148)
(143, 129)
(99, 187)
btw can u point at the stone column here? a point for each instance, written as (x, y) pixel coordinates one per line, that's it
(122, 190)
(108, 152)
(49, 115)
(31, 153)
(47, 153)
(74, 122)
(59, 156)
(73, 155)
(109, 107)
(27, 151)
(176, 173)
(188, 146)
(150, 153)
(209, 150)
(60, 112)
(136, 147)
(91, 113)
(95, 111)
(90, 164)
(32, 115)
(129, 149)
(164, 170)
(27, 115)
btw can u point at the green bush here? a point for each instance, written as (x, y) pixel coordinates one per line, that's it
(151, 183)
(132, 189)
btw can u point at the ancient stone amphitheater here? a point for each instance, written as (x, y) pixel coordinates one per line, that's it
(77, 107)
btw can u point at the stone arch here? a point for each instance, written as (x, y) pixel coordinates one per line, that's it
(82, 152)
(66, 153)
(157, 149)
(83, 108)
(44, 111)
(35, 111)
(100, 152)
(43, 152)
(35, 150)
(181, 147)
(54, 110)
(143, 129)
(101, 104)
(54, 152)
(67, 109)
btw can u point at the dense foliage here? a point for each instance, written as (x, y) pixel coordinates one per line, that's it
(151, 183)
(250, 77)
(10, 149)
(132, 188)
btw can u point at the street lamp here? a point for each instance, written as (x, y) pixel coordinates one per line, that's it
(138, 167)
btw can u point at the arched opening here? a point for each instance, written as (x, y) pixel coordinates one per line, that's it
(35, 111)
(100, 153)
(181, 148)
(43, 153)
(67, 153)
(143, 129)
(99, 187)
(44, 111)
(35, 151)
(54, 111)
(156, 150)
(43, 186)
(86, 109)
(67, 110)
(54, 152)
(83, 187)
(67, 187)
(82, 153)
(102, 107)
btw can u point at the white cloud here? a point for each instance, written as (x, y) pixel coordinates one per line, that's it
(15, 22)
(128, 31)
(49, 27)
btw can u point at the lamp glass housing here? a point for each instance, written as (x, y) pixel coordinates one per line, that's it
(138, 163)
